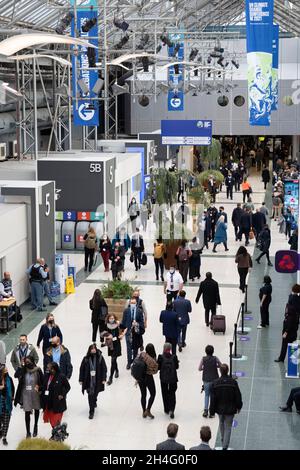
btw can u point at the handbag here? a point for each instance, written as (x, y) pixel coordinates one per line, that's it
(144, 259)
(251, 234)
(104, 312)
(131, 258)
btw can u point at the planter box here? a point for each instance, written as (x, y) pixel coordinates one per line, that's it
(116, 307)
(171, 252)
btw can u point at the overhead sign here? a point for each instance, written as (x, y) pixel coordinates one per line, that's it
(286, 261)
(85, 112)
(184, 132)
(97, 216)
(259, 28)
(83, 216)
(70, 215)
(175, 73)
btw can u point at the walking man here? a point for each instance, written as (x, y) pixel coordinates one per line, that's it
(211, 296)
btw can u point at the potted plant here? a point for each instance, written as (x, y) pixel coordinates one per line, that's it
(199, 199)
(116, 293)
(203, 177)
(210, 155)
(42, 444)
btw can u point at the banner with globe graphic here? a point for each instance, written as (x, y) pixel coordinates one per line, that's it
(259, 27)
(175, 73)
(275, 65)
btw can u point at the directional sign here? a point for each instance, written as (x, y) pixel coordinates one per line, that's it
(83, 216)
(286, 261)
(85, 112)
(186, 132)
(69, 215)
(67, 238)
(175, 101)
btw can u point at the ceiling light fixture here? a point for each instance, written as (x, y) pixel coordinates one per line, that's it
(89, 24)
(64, 23)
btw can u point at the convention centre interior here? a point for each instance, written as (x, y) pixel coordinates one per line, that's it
(149, 208)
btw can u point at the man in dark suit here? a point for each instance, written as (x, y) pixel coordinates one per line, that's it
(236, 219)
(133, 322)
(205, 436)
(258, 222)
(169, 319)
(245, 226)
(170, 443)
(211, 296)
(229, 183)
(182, 307)
(137, 248)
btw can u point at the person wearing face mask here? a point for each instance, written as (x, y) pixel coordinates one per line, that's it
(212, 213)
(47, 332)
(105, 250)
(133, 324)
(290, 322)
(173, 283)
(59, 354)
(112, 337)
(92, 376)
(133, 212)
(117, 258)
(167, 365)
(28, 393)
(54, 392)
(21, 351)
(7, 393)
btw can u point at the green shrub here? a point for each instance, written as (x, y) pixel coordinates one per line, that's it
(117, 290)
(41, 444)
(204, 176)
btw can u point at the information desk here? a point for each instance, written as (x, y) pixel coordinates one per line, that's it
(7, 310)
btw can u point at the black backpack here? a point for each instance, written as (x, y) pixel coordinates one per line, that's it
(168, 370)
(138, 369)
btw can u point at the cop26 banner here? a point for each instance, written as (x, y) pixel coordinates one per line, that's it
(175, 74)
(275, 65)
(259, 27)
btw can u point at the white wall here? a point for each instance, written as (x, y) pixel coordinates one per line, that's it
(14, 246)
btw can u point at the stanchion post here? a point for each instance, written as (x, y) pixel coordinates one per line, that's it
(235, 354)
(246, 300)
(230, 357)
(242, 332)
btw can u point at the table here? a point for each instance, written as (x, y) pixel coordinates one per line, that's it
(6, 312)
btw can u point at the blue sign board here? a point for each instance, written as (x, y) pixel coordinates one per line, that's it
(259, 28)
(84, 3)
(175, 73)
(67, 238)
(293, 361)
(85, 112)
(70, 215)
(291, 197)
(184, 132)
(140, 150)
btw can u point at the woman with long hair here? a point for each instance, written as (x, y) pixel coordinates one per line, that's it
(244, 263)
(55, 390)
(105, 250)
(183, 254)
(265, 297)
(7, 393)
(99, 312)
(147, 382)
(92, 376)
(90, 247)
(112, 336)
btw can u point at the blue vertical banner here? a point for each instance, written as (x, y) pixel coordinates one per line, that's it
(275, 66)
(259, 27)
(293, 361)
(87, 112)
(176, 96)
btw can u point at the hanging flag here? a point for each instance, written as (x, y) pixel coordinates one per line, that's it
(275, 66)
(259, 27)
(175, 73)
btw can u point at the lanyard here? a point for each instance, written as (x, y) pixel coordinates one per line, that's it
(49, 381)
(23, 352)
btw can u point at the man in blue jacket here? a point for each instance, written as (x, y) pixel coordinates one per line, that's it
(182, 307)
(133, 323)
(170, 321)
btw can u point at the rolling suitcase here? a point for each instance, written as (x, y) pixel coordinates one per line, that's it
(218, 324)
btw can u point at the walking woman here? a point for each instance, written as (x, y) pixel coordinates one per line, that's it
(265, 175)
(105, 250)
(264, 242)
(159, 254)
(133, 212)
(117, 258)
(28, 393)
(92, 376)
(112, 336)
(168, 365)
(244, 263)
(246, 188)
(183, 254)
(55, 390)
(195, 259)
(99, 313)
(90, 247)
(265, 297)
(48, 331)
(149, 357)
(221, 234)
(209, 366)
(7, 393)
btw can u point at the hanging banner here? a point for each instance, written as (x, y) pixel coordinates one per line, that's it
(259, 27)
(175, 73)
(85, 3)
(87, 112)
(275, 66)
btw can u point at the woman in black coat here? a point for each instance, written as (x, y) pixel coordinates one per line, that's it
(48, 331)
(265, 175)
(113, 336)
(265, 297)
(54, 392)
(290, 322)
(92, 376)
(264, 242)
(167, 365)
(99, 312)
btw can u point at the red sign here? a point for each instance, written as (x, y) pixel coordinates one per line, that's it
(286, 261)
(80, 238)
(83, 216)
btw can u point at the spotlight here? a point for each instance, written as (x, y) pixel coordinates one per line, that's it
(220, 61)
(64, 23)
(165, 40)
(209, 73)
(144, 101)
(124, 40)
(235, 63)
(196, 73)
(121, 24)
(98, 86)
(145, 62)
(163, 86)
(209, 60)
(91, 54)
(195, 93)
(215, 54)
(125, 77)
(120, 90)
(176, 50)
(143, 42)
(89, 24)
(83, 86)
(176, 69)
(159, 48)
(193, 53)
(219, 49)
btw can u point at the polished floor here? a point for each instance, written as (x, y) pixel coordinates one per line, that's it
(118, 422)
